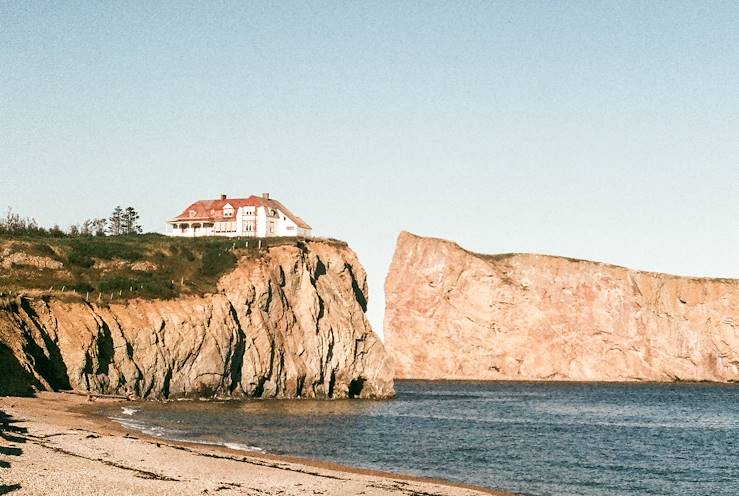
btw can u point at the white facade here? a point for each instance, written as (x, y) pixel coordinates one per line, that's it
(258, 217)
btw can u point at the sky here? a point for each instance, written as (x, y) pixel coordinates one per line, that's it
(600, 130)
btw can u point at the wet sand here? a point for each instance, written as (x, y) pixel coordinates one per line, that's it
(51, 445)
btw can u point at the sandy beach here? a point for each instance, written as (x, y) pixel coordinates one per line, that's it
(50, 445)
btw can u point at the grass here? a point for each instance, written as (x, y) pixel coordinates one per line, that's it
(103, 267)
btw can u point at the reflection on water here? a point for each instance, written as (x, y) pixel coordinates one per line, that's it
(534, 438)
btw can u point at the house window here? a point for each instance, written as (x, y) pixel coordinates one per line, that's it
(271, 227)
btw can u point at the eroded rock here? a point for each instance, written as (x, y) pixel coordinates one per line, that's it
(287, 323)
(454, 314)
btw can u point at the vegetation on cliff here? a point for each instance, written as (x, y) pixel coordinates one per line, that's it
(108, 268)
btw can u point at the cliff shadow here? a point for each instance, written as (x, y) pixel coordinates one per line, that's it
(51, 367)
(11, 436)
(15, 380)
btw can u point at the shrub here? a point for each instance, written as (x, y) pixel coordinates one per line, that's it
(82, 287)
(117, 283)
(145, 285)
(42, 249)
(216, 261)
(189, 255)
(80, 260)
(103, 249)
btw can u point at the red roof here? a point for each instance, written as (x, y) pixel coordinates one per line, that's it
(212, 210)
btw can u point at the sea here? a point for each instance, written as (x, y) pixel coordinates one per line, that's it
(566, 439)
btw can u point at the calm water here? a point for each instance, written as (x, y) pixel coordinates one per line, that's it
(533, 438)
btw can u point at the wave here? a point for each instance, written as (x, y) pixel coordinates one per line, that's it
(181, 435)
(151, 430)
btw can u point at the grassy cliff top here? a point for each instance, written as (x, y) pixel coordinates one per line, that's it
(122, 267)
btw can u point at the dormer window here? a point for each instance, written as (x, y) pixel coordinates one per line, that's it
(228, 210)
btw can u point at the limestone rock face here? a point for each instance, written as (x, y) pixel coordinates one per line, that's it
(454, 314)
(287, 323)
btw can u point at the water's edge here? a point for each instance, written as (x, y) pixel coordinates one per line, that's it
(529, 437)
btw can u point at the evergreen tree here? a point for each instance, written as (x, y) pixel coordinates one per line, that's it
(130, 221)
(115, 223)
(86, 228)
(99, 226)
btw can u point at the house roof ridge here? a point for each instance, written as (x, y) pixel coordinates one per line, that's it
(207, 209)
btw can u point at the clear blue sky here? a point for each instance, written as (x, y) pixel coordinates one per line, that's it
(601, 130)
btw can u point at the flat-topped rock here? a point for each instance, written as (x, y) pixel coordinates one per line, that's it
(454, 314)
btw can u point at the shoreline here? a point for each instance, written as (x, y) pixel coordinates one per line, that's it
(47, 432)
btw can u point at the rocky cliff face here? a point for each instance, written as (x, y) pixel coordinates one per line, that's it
(287, 323)
(455, 314)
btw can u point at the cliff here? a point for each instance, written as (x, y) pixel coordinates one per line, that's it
(454, 314)
(287, 321)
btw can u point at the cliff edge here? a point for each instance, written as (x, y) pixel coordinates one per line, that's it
(288, 321)
(454, 314)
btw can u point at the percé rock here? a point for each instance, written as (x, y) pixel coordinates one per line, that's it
(287, 323)
(454, 314)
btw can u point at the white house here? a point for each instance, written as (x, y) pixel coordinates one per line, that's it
(258, 217)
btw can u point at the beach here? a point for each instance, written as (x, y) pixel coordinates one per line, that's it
(50, 444)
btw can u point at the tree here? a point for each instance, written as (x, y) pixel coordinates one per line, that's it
(13, 223)
(129, 222)
(74, 230)
(86, 228)
(99, 226)
(115, 223)
(56, 231)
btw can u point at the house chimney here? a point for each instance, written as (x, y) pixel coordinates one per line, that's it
(223, 197)
(265, 196)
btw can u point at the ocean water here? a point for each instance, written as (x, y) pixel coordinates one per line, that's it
(531, 438)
